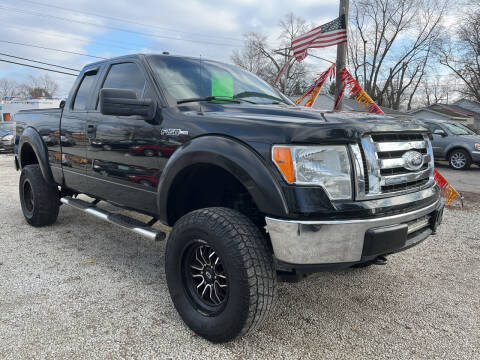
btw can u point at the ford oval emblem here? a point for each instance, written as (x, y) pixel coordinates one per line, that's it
(413, 160)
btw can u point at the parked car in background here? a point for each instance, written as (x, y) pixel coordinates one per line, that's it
(153, 149)
(7, 137)
(50, 139)
(454, 142)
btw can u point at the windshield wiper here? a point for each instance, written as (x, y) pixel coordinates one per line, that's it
(209, 98)
(256, 94)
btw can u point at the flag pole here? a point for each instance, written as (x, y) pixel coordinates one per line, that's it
(341, 56)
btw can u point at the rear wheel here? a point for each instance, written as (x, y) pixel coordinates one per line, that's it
(460, 159)
(39, 199)
(220, 273)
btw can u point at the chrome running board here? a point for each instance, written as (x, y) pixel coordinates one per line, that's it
(124, 221)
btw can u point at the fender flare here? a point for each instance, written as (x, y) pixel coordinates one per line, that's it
(31, 137)
(452, 147)
(235, 157)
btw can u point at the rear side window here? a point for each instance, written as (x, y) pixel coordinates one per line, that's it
(125, 76)
(83, 92)
(432, 127)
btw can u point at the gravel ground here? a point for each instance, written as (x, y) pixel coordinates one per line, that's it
(86, 289)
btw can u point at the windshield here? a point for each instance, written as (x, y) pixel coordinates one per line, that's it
(458, 129)
(7, 127)
(186, 78)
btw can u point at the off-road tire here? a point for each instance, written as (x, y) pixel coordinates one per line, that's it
(248, 264)
(39, 199)
(462, 153)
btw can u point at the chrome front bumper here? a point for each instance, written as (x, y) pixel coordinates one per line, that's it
(336, 241)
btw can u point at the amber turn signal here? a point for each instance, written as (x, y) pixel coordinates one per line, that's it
(282, 156)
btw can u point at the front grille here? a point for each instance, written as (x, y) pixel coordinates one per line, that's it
(365, 167)
(386, 169)
(403, 186)
(396, 137)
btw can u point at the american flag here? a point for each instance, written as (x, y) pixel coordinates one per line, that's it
(331, 33)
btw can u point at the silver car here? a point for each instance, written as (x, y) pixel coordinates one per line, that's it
(454, 142)
(7, 136)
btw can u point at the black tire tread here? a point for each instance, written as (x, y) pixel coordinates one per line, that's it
(253, 252)
(45, 194)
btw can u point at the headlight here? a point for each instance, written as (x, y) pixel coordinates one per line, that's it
(477, 146)
(8, 138)
(327, 166)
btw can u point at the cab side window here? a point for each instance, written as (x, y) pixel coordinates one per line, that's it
(126, 76)
(81, 98)
(432, 127)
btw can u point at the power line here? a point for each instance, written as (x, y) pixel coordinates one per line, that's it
(37, 67)
(35, 13)
(132, 22)
(107, 42)
(52, 49)
(40, 62)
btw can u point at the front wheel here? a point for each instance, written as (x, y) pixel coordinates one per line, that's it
(220, 273)
(460, 159)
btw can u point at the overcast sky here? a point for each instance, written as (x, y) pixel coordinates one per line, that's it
(212, 29)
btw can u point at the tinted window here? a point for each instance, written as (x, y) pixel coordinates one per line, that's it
(187, 78)
(81, 99)
(125, 76)
(8, 127)
(458, 129)
(432, 127)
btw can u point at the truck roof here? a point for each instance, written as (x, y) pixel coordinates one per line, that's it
(139, 55)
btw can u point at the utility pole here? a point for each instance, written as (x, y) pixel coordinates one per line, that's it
(341, 55)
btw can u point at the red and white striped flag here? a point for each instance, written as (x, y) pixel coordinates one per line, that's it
(331, 33)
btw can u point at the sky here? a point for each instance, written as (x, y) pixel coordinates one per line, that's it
(211, 29)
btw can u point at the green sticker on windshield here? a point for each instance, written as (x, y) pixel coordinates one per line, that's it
(222, 85)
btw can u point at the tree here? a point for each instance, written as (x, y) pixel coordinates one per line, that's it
(265, 60)
(434, 91)
(391, 44)
(461, 54)
(7, 88)
(41, 86)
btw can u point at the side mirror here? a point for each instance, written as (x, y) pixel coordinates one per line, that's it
(124, 102)
(440, 132)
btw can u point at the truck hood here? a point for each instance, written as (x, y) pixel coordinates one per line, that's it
(286, 123)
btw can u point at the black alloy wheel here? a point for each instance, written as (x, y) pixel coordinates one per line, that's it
(205, 277)
(28, 196)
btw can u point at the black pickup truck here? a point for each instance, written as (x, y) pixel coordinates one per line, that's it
(254, 187)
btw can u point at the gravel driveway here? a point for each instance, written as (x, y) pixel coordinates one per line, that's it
(86, 289)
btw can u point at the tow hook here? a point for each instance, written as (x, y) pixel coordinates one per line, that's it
(380, 260)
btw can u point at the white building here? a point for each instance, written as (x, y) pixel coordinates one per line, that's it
(444, 112)
(9, 108)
